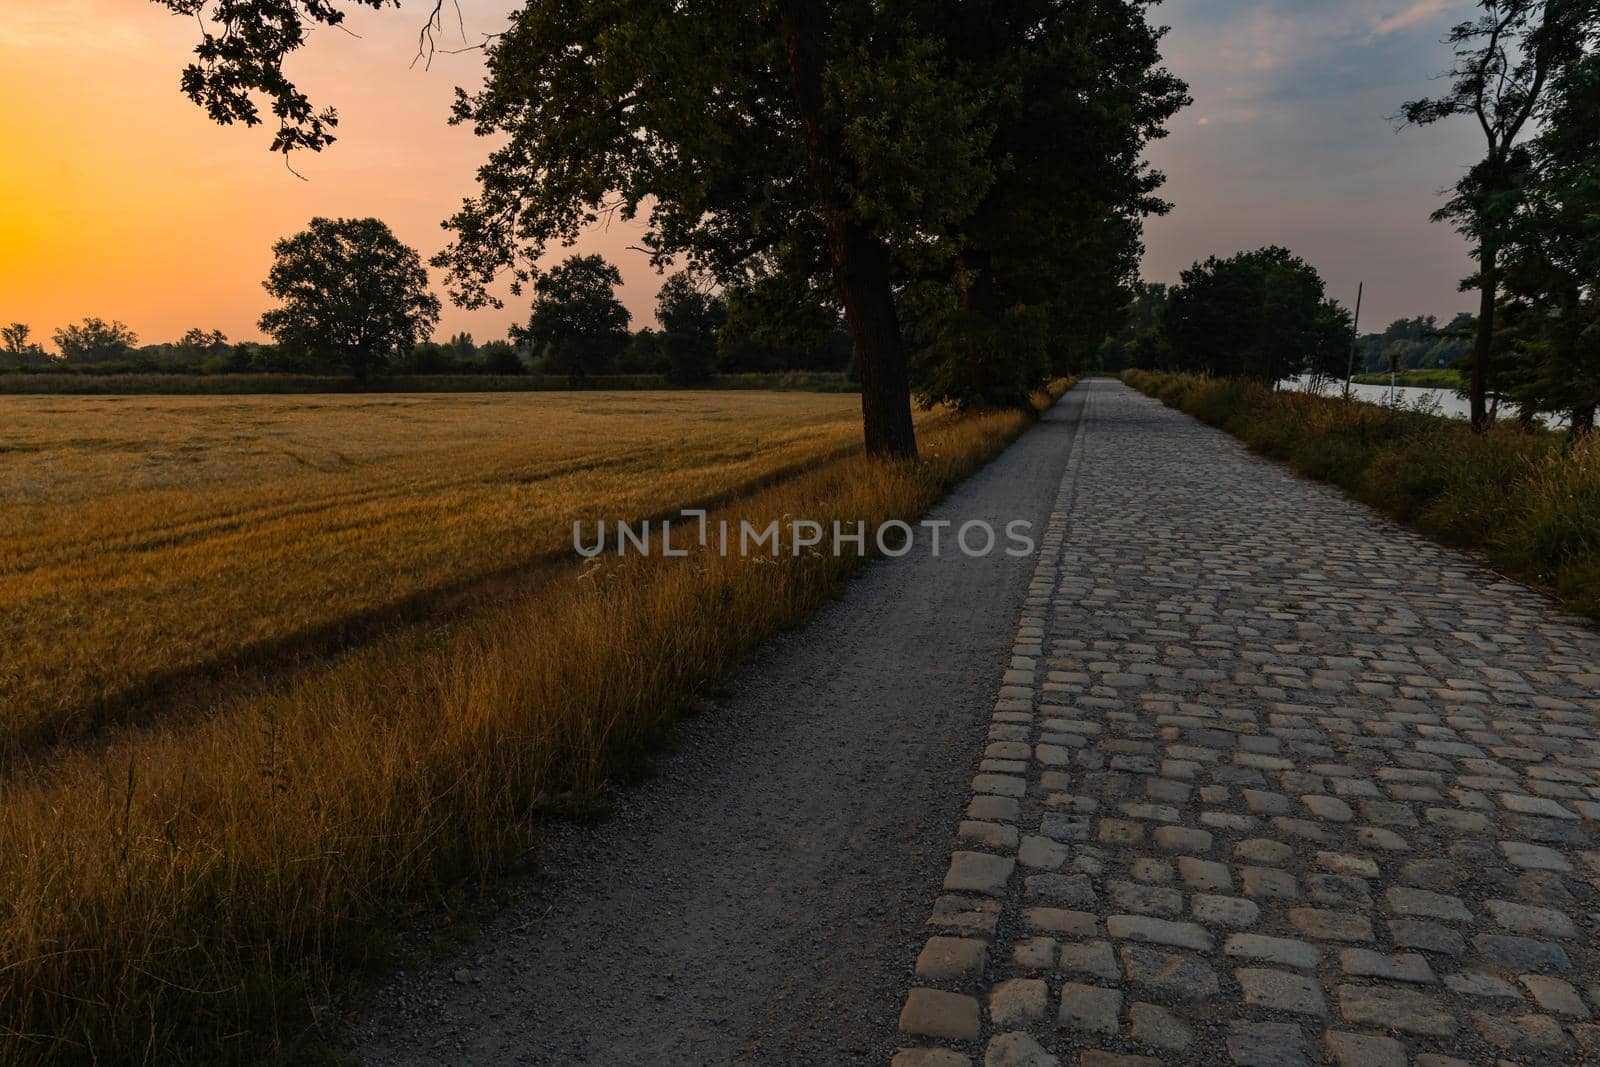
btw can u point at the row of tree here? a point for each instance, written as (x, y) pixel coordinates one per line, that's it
(356, 300)
(963, 182)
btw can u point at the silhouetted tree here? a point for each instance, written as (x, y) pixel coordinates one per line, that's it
(1552, 256)
(1254, 315)
(352, 294)
(578, 327)
(16, 342)
(197, 345)
(95, 340)
(1032, 279)
(1505, 59)
(691, 315)
(814, 133)
(499, 357)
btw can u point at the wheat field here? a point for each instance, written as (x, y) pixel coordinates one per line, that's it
(201, 888)
(147, 537)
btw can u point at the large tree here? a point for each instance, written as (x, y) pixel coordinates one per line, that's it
(1551, 313)
(578, 327)
(1072, 93)
(353, 294)
(821, 136)
(1260, 314)
(1505, 60)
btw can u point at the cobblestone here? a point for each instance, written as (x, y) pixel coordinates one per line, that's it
(1270, 781)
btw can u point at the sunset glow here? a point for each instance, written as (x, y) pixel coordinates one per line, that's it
(120, 199)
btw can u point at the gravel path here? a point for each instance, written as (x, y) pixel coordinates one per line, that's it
(1270, 782)
(763, 898)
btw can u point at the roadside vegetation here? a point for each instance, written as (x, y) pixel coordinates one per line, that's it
(196, 890)
(1529, 501)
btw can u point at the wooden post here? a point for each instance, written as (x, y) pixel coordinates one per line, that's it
(1355, 337)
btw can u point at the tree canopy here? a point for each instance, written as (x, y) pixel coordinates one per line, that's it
(578, 326)
(881, 157)
(352, 294)
(1260, 314)
(95, 340)
(691, 315)
(1506, 59)
(1551, 311)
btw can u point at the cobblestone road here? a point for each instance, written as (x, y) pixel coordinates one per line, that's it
(1270, 782)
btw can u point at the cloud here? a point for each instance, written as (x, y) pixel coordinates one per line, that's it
(1420, 11)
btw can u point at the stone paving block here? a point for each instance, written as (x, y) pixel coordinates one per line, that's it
(1281, 991)
(952, 960)
(1234, 912)
(930, 1057)
(1267, 1045)
(1156, 1025)
(1089, 957)
(1324, 925)
(1018, 1050)
(1178, 976)
(1062, 921)
(1091, 1008)
(1364, 1050)
(1400, 967)
(1018, 1002)
(1159, 932)
(978, 872)
(1395, 1009)
(936, 1013)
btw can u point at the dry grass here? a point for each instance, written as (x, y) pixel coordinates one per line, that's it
(146, 537)
(186, 891)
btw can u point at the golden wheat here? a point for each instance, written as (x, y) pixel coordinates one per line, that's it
(148, 536)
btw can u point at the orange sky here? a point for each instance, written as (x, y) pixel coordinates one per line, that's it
(119, 199)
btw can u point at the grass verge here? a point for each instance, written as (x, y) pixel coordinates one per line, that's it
(192, 894)
(1530, 502)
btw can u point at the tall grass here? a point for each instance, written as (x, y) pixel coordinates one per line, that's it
(184, 894)
(1530, 502)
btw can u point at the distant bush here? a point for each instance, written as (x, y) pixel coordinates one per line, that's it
(1529, 501)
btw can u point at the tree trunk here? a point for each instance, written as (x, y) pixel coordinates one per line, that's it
(978, 298)
(1582, 421)
(1488, 285)
(861, 265)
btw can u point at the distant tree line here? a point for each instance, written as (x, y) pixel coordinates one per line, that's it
(1262, 314)
(1420, 343)
(354, 300)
